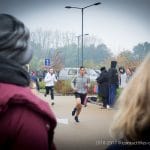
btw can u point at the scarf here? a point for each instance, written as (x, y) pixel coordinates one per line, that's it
(11, 72)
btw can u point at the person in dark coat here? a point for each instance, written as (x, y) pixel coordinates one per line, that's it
(26, 121)
(102, 81)
(131, 124)
(113, 83)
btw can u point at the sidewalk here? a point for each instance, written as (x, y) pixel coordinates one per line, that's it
(92, 133)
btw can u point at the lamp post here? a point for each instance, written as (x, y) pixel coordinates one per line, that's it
(82, 11)
(78, 37)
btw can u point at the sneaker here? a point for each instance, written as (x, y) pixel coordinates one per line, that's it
(74, 111)
(108, 106)
(76, 119)
(45, 94)
(52, 103)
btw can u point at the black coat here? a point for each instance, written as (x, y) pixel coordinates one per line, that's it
(113, 76)
(102, 81)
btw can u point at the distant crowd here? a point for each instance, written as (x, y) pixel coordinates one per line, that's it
(109, 81)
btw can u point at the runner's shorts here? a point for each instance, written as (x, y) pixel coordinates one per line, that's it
(81, 96)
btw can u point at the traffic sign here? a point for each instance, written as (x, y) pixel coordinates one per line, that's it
(47, 62)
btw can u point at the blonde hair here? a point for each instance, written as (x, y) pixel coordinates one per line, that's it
(133, 114)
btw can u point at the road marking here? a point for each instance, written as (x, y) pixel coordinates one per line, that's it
(62, 120)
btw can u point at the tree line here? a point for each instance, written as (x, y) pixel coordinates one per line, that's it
(63, 51)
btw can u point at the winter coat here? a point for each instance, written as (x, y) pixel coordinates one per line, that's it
(113, 76)
(102, 81)
(26, 121)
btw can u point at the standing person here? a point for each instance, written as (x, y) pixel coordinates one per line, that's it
(131, 125)
(50, 80)
(122, 77)
(26, 121)
(80, 85)
(35, 79)
(129, 74)
(102, 81)
(33, 86)
(113, 83)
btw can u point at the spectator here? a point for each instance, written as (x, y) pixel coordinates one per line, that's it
(35, 79)
(132, 121)
(113, 83)
(102, 81)
(26, 121)
(33, 87)
(129, 74)
(122, 77)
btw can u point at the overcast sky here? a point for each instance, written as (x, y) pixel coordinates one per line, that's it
(120, 24)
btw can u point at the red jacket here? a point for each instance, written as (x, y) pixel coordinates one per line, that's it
(26, 121)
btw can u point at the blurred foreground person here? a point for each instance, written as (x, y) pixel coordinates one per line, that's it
(26, 121)
(131, 125)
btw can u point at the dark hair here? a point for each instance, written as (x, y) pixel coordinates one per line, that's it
(81, 67)
(123, 70)
(113, 64)
(103, 68)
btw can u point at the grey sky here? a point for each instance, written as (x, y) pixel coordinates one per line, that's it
(120, 24)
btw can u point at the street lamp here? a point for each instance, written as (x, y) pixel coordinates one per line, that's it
(82, 9)
(78, 47)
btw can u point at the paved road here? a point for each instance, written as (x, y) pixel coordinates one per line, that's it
(92, 133)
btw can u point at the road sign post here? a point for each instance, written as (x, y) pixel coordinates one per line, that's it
(47, 62)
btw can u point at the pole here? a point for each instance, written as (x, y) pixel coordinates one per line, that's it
(82, 35)
(82, 9)
(78, 51)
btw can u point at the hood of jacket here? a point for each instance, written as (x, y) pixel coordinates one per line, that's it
(13, 94)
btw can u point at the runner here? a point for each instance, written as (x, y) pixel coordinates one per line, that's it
(80, 85)
(50, 80)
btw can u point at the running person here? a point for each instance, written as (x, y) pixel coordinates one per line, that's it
(50, 80)
(80, 85)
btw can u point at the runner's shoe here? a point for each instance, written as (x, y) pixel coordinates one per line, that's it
(76, 119)
(74, 111)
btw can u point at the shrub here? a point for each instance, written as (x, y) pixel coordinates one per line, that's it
(91, 88)
(63, 87)
(119, 90)
(42, 85)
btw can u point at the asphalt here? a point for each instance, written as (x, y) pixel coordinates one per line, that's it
(91, 133)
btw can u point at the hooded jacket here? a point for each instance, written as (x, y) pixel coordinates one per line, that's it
(113, 74)
(26, 121)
